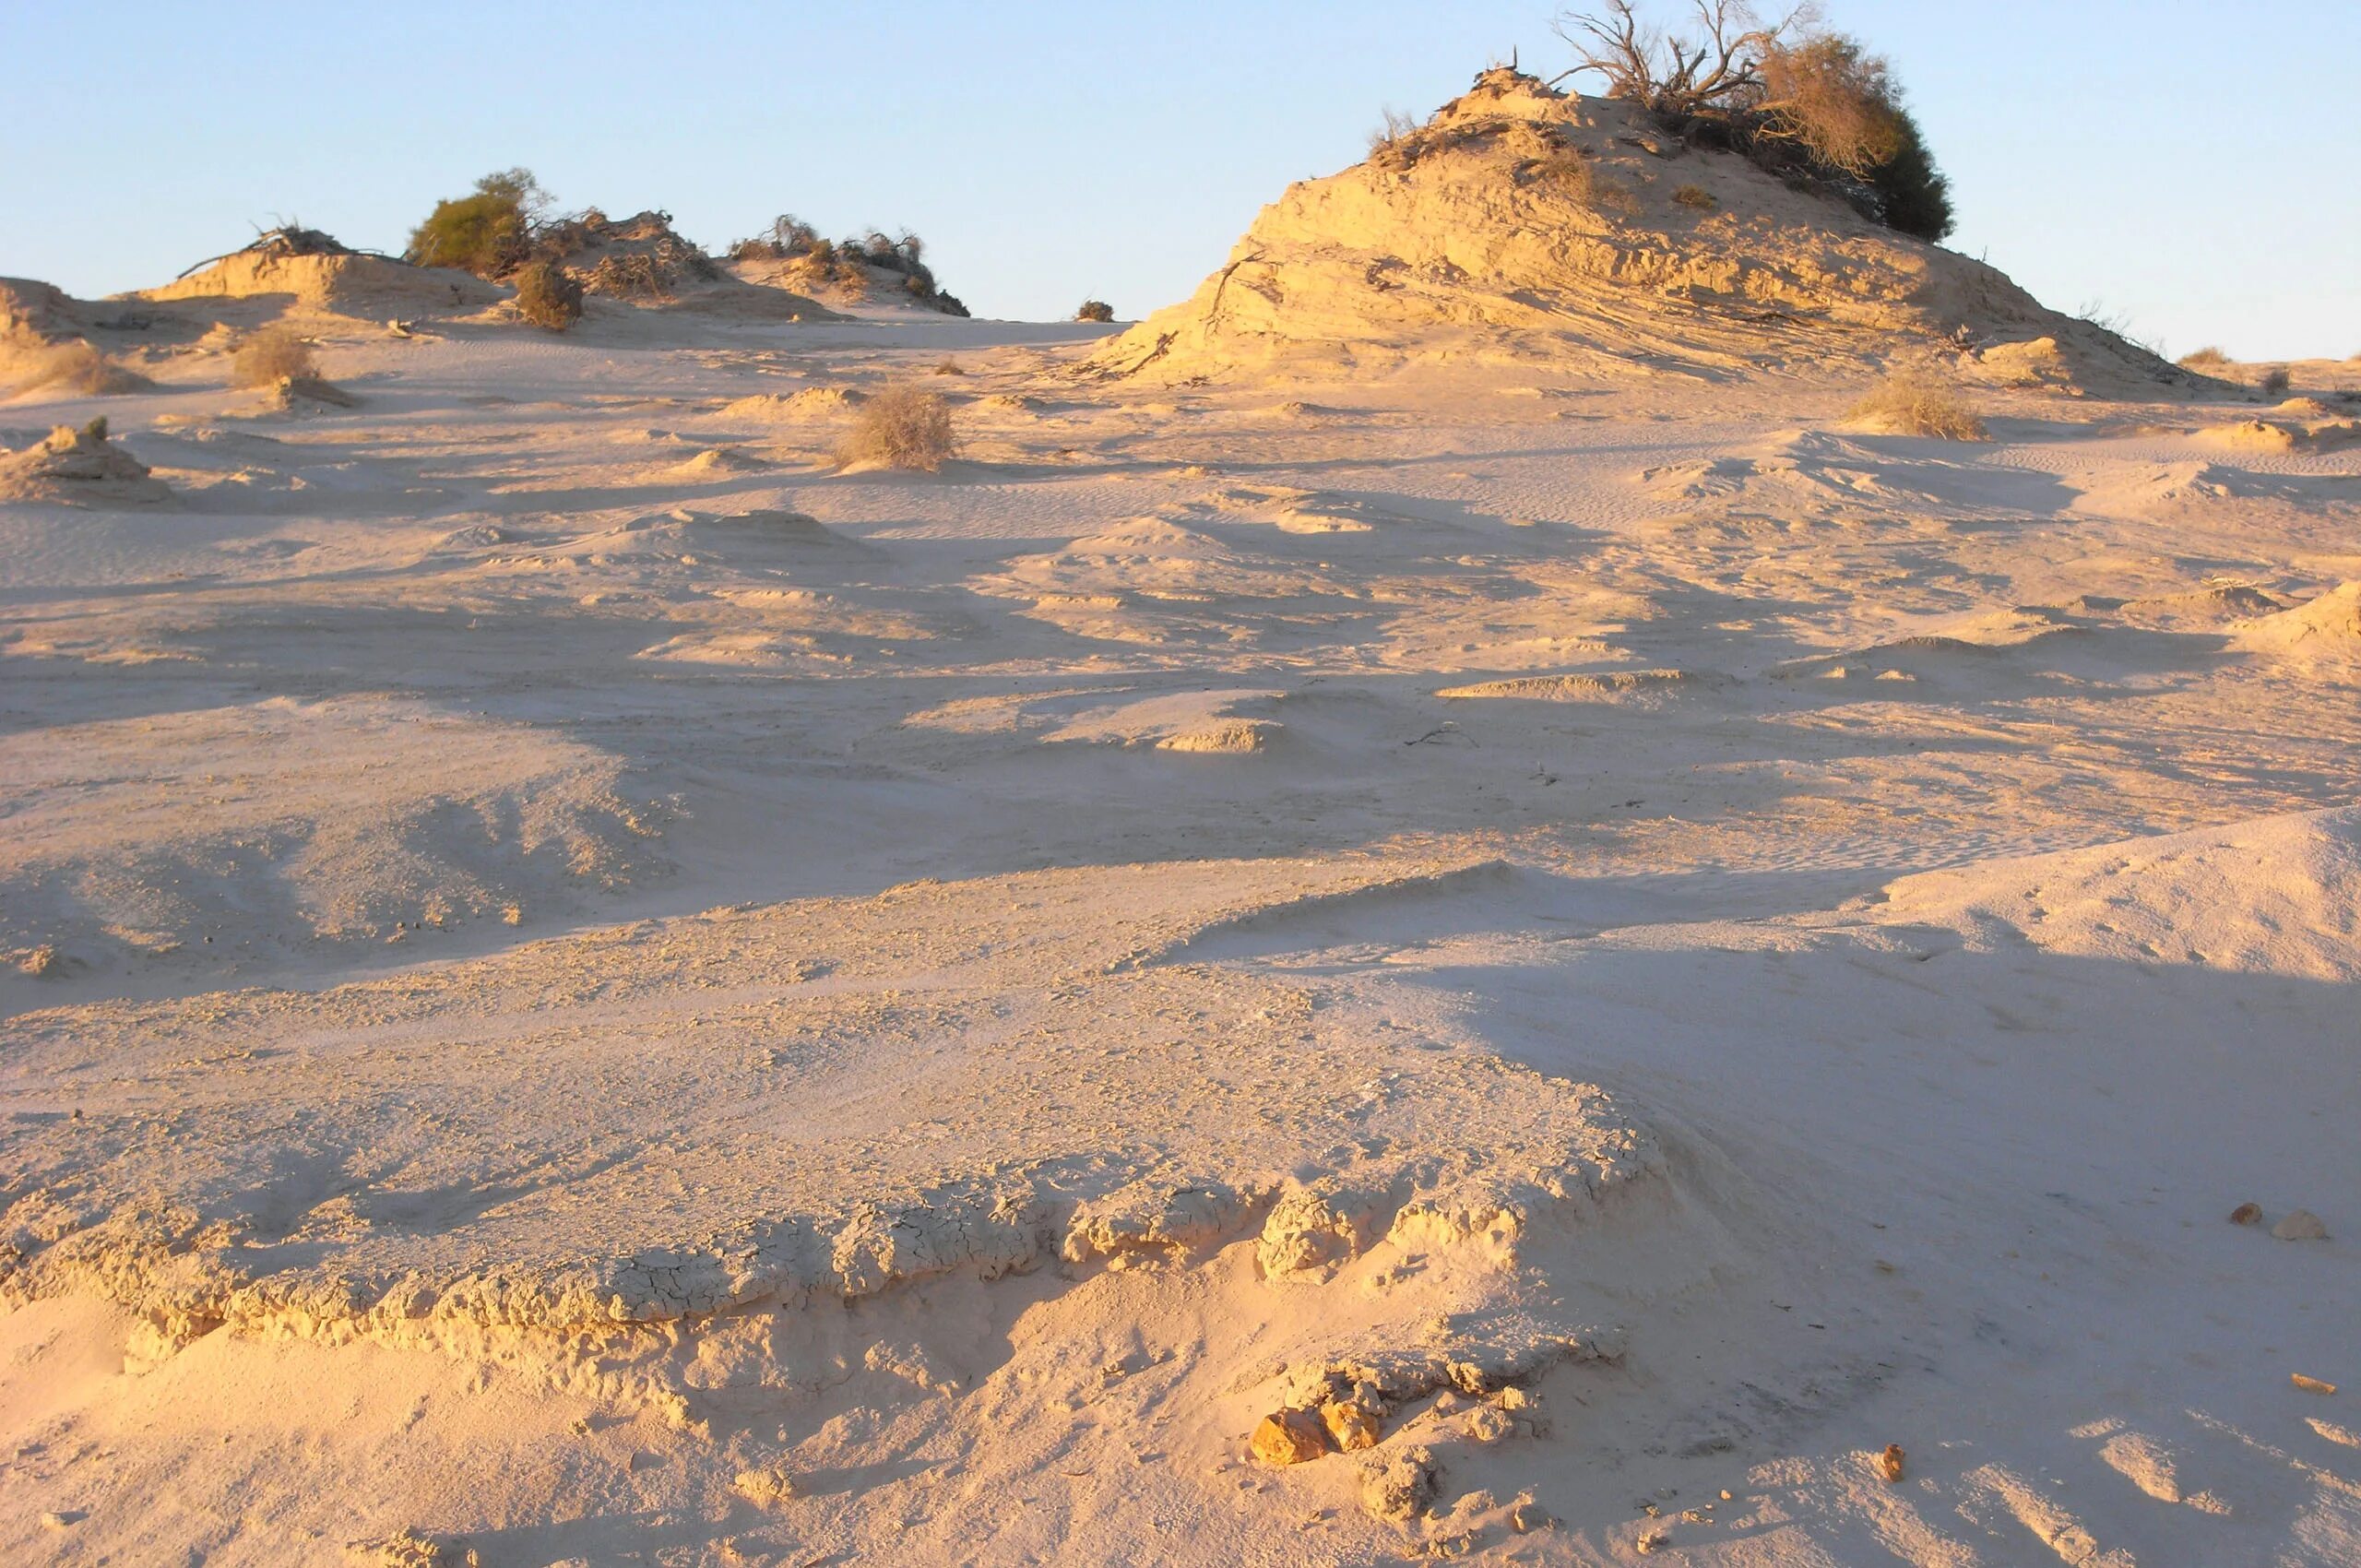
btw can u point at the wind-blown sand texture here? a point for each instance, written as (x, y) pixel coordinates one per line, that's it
(1549, 929)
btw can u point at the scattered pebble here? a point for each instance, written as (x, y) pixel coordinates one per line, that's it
(1889, 1462)
(2301, 1225)
(2246, 1214)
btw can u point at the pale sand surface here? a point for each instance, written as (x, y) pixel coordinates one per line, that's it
(576, 967)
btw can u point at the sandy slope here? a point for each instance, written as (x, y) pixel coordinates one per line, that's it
(590, 988)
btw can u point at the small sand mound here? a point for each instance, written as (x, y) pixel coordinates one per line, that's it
(1617, 685)
(80, 466)
(307, 394)
(810, 403)
(715, 462)
(73, 367)
(1225, 736)
(2328, 626)
(2251, 435)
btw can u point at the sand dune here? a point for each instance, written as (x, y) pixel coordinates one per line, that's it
(1549, 935)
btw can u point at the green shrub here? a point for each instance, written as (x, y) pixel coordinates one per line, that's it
(1095, 310)
(548, 295)
(488, 232)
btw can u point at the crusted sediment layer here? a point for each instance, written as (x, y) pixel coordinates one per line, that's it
(396, 1161)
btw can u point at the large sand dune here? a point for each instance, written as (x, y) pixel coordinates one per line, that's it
(1562, 932)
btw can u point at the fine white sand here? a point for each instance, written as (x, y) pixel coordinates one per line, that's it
(586, 986)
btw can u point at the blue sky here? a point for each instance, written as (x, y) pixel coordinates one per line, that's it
(2195, 168)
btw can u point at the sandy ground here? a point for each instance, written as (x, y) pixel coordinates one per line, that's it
(588, 987)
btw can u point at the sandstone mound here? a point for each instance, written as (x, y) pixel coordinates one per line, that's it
(1525, 225)
(341, 282)
(79, 465)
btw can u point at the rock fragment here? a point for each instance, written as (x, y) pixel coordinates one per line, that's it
(2246, 1214)
(1351, 1426)
(2310, 1385)
(2300, 1225)
(1890, 1463)
(1399, 1486)
(1289, 1437)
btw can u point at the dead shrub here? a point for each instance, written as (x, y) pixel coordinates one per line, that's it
(902, 427)
(1095, 310)
(1694, 196)
(2275, 381)
(950, 367)
(1395, 142)
(2207, 358)
(1909, 403)
(269, 356)
(548, 295)
(1575, 174)
(77, 367)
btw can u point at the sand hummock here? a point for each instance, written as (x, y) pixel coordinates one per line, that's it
(81, 466)
(1525, 227)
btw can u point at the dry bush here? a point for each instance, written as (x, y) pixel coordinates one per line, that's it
(2206, 358)
(77, 367)
(1575, 174)
(1693, 196)
(266, 357)
(2275, 380)
(902, 427)
(950, 367)
(1907, 403)
(1095, 310)
(1393, 139)
(548, 295)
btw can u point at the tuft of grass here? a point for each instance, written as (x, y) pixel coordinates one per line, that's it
(548, 295)
(902, 427)
(265, 357)
(2207, 357)
(1095, 310)
(75, 367)
(950, 367)
(1907, 403)
(1694, 196)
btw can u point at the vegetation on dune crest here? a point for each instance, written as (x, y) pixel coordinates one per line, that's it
(1095, 310)
(847, 264)
(1811, 105)
(902, 427)
(488, 231)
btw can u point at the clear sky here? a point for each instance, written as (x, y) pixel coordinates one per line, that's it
(2193, 167)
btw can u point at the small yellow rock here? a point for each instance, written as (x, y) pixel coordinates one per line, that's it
(1289, 1437)
(2310, 1385)
(1350, 1426)
(1889, 1462)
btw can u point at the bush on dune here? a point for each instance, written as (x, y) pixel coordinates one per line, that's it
(1095, 310)
(1908, 403)
(488, 231)
(75, 367)
(901, 427)
(271, 355)
(548, 295)
(1807, 104)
